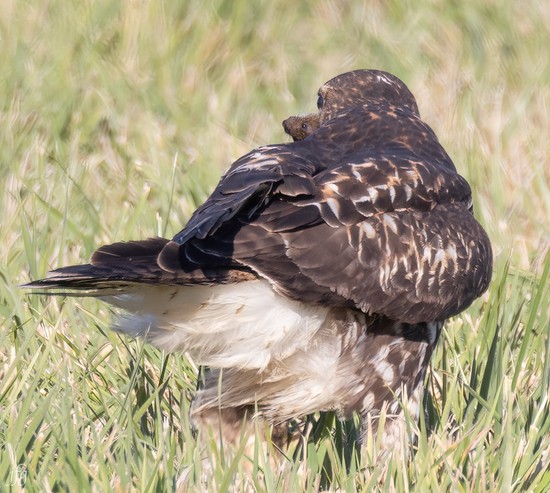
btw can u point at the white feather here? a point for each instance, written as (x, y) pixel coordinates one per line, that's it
(242, 325)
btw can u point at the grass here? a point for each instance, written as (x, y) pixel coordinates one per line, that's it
(117, 119)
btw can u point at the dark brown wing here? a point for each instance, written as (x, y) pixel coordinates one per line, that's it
(382, 231)
(410, 266)
(249, 185)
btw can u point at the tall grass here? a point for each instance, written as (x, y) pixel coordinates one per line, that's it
(116, 120)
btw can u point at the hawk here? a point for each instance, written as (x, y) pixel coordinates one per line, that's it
(317, 275)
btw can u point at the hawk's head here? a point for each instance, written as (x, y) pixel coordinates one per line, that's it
(363, 87)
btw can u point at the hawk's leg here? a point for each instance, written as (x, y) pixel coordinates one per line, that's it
(386, 424)
(227, 423)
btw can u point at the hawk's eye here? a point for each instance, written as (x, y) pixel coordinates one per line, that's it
(304, 126)
(320, 102)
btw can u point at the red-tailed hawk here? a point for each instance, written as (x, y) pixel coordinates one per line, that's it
(319, 272)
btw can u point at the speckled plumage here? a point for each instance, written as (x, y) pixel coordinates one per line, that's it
(318, 274)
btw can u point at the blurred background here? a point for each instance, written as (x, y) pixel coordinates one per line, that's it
(117, 119)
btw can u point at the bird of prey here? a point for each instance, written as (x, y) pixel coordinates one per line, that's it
(317, 275)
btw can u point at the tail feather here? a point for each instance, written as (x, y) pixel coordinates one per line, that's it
(79, 280)
(115, 268)
(129, 250)
(112, 268)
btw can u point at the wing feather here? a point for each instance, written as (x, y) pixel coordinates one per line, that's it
(384, 229)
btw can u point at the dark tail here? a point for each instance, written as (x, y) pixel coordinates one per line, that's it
(113, 268)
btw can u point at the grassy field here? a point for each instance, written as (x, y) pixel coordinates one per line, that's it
(117, 119)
